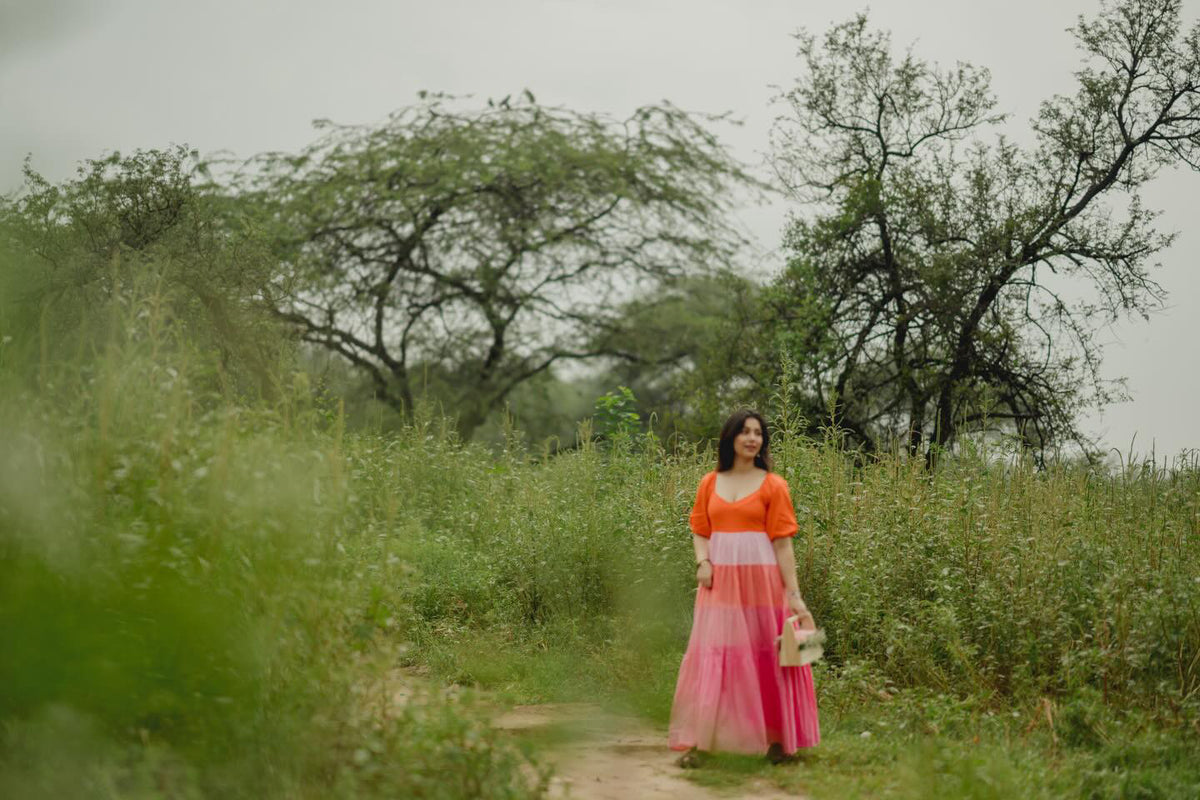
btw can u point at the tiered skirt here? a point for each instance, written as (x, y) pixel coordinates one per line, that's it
(732, 695)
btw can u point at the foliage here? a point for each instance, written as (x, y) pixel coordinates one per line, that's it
(430, 748)
(175, 582)
(471, 250)
(139, 503)
(616, 413)
(991, 577)
(208, 591)
(955, 599)
(139, 225)
(685, 341)
(929, 288)
(901, 744)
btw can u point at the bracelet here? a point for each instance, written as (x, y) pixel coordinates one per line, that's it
(701, 561)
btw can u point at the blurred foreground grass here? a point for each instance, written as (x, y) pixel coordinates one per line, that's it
(189, 574)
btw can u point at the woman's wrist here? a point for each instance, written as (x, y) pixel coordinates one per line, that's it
(701, 561)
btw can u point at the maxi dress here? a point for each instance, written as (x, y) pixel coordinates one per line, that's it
(731, 694)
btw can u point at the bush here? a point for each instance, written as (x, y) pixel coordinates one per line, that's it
(181, 570)
(987, 576)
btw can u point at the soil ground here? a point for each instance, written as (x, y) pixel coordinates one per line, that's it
(598, 754)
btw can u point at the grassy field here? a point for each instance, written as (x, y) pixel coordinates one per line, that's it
(995, 631)
(195, 580)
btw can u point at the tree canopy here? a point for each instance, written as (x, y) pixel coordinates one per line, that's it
(939, 276)
(483, 246)
(936, 282)
(140, 224)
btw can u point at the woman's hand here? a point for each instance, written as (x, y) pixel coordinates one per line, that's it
(704, 572)
(797, 608)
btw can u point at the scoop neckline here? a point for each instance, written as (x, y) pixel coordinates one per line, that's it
(740, 499)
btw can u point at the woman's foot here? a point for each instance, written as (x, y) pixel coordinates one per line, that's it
(691, 759)
(776, 755)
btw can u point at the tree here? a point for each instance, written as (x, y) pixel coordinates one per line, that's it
(687, 350)
(140, 223)
(485, 246)
(930, 289)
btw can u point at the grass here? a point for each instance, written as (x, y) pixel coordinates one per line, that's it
(198, 580)
(933, 747)
(191, 589)
(986, 590)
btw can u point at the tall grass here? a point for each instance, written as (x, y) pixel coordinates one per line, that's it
(194, 580)
(986, 576)
(184, 603)
(993, 576)
(987, 599)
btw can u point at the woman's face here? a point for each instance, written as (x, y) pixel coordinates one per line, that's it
(749, 441)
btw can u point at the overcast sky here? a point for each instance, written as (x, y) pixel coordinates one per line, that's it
(82, 77)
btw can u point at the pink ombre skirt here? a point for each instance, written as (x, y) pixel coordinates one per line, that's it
(732, 695)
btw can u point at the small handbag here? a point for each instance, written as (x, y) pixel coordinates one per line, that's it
(799, 647)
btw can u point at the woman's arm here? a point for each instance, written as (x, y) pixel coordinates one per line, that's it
(787, 570)
(787, 564)
(703, 565)
(701, 529)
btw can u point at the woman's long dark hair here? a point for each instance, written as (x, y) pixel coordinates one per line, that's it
(729, 431)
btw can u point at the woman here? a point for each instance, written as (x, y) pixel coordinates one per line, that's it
(732, 695)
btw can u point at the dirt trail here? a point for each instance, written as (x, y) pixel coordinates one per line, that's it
(599, 755)
(604, 756)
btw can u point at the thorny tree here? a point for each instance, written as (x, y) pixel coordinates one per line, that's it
(483, 247)
(127, 224)
(926, 291)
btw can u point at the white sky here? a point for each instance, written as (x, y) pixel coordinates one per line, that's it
(82, 77)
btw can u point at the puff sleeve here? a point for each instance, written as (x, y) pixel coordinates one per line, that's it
(699, 521)
(781, 516)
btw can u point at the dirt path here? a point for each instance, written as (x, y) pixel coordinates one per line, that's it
(599, 755)
(604, 756)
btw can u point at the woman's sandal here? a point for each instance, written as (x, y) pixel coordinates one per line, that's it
(690, 760)
(776, 755)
